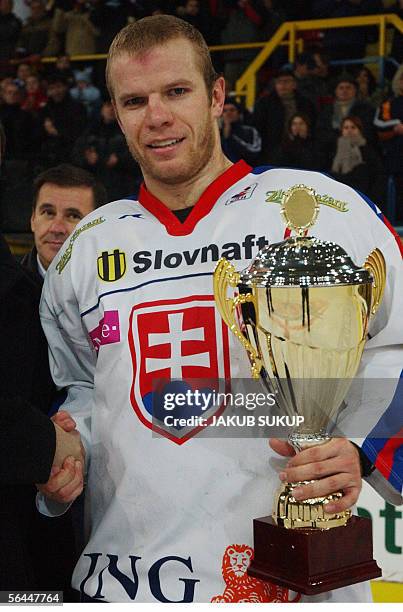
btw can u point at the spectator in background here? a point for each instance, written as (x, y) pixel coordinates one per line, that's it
(356, 162)
(61, 121)
(86, 93)
(322, 78)
(243, 26)
(331, 117)
(35, 97)
(24, 70)
(77, 29)
(368, 91)
(62, 69)
(62, 196)
(192, 12)
(10, 27)
(35, 33)
(273, 112)
(389, 124)
(397, 43)
(19, 128)
(109, 18)
(238, 141)
(346, 43)
(102, 150)
(297, 148)
(17, 123)
(304, 74)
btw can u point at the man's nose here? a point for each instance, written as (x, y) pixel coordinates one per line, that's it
(158, 112)
(58, 226)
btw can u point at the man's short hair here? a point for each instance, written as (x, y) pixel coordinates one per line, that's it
(285, 72)
(66, 175)
(305, 59)
(57, 78)
(346, 78)
(149, 32)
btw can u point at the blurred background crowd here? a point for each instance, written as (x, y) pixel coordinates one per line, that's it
(319, 113)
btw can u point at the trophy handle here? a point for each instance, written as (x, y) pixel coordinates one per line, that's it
(224, 275)
(375, 264)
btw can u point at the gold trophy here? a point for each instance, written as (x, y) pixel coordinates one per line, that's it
(301, 311)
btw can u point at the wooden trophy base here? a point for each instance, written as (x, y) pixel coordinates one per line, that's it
(313, 561)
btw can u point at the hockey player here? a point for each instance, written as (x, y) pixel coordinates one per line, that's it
(130, 300)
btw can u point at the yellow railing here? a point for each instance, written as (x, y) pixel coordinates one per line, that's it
(287, 34)
(212, 49)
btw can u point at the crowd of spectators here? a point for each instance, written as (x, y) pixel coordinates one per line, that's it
(305, 115)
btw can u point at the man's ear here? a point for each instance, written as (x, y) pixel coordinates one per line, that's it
(218, 97)
(32, 220)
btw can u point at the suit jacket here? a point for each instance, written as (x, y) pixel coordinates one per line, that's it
(30, 262)
(37, 552)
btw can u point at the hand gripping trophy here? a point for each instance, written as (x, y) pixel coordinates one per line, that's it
(303, 309)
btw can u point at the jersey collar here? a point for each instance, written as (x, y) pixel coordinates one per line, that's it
(202, 207)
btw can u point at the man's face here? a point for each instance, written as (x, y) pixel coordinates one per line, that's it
(192, 7)
(345, 91)
(164, 111)
(57, 91)
(285, 85)
(63, 63)
(37, 9)
(231, 113)
(108, 112)
(11, 94)
(32, 84)
(57, 212)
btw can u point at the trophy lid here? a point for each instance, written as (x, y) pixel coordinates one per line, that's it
(304, 262)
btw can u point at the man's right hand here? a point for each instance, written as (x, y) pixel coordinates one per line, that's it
(66, 480)
(68, 442)
(66, 483)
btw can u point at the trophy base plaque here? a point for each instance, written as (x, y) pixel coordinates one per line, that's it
(313, 561)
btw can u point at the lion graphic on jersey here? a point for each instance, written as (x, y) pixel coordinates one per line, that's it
(243, 588)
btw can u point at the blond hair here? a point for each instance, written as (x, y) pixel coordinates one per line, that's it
(141, 36)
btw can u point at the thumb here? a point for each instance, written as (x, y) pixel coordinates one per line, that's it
(281, 447)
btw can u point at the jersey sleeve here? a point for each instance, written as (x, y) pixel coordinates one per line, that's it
(72, 358)
(383, 362)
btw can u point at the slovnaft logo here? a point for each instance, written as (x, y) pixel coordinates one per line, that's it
(65, 258)
(245, 194)
(276, 196)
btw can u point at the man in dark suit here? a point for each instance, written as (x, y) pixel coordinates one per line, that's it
(37, 553)
(34, 555)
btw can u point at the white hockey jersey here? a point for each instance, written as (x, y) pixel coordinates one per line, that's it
(130, 298)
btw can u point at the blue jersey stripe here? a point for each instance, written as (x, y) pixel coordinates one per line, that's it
(157, 280)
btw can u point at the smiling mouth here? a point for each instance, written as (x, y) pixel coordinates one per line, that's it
(164, 144)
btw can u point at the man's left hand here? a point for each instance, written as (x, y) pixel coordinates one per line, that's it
(336, 465)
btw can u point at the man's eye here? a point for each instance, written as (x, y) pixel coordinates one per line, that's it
(134, 102)
(177, 91)
(47, 213)
(75, 216)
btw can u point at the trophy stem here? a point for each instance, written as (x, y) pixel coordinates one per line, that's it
(300, 439)
(309, 513)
